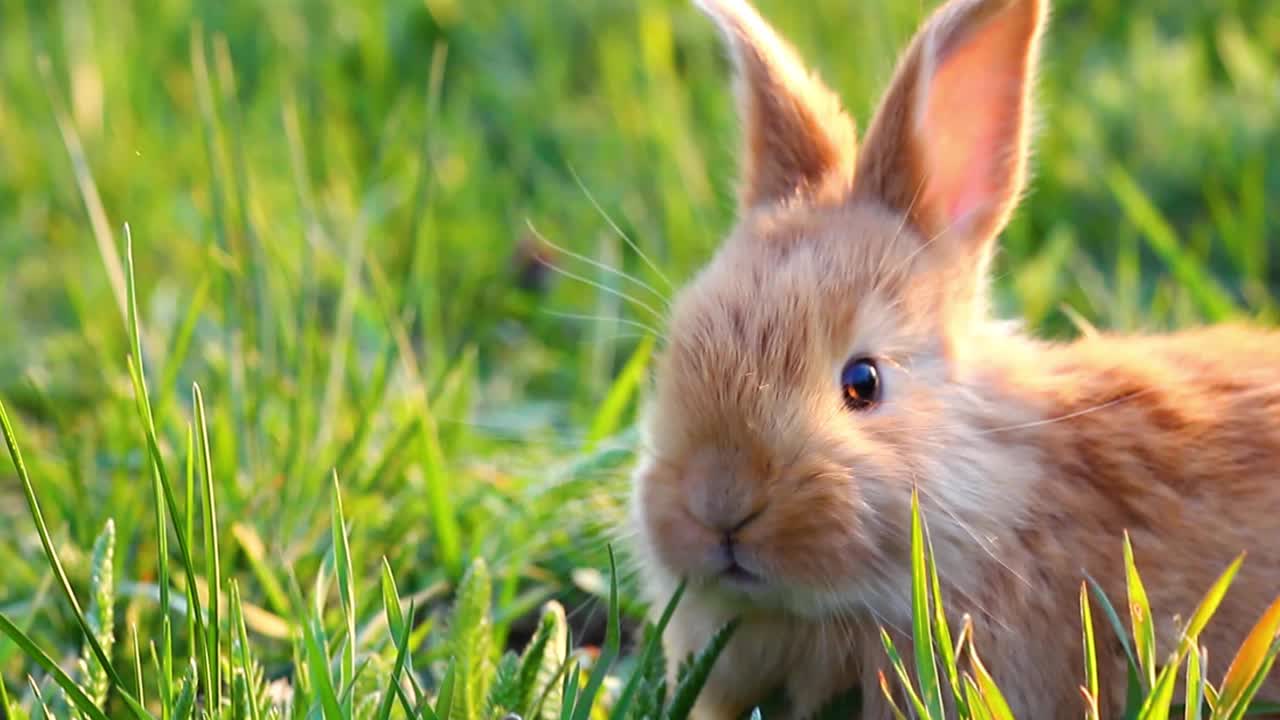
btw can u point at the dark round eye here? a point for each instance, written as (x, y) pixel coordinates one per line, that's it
(860, 383)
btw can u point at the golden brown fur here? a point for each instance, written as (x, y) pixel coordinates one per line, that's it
(1031, 458)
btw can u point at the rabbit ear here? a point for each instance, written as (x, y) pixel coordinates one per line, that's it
(948, 146)
(795, 133)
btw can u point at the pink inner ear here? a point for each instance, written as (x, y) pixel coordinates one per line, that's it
(969, 129)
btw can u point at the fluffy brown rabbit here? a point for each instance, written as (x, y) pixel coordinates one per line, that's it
(839, 350)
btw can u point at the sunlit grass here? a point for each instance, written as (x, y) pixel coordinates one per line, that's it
(328, 204)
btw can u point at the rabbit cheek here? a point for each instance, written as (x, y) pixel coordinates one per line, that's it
(815, 537)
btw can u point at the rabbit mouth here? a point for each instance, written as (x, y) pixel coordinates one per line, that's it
(737, 575)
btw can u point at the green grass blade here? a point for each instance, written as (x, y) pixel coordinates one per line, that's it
(242, 639)
(137, 668)
(346, 589)
(15, 454)
(609, 653)
(1144, 633)
(1245, 707)
(185, 702)
(318, 669)
(33, 651)
(1195, 686)
(391, 600)
(690, 686)
(6, 707)
(608, 418)
(182, 339)
(921, 617)
(166, 639)
(184, 527)
(887, 691)
(942, 634)
(992, 698)
(212, 558)
(1159, 702)
(571, 680)
(973, 696)
(651, 649)
(1134, 693)
(1212, 599)
(393, 682)
(1090, 653)
(904, 676)
(1249, 661)
(444, 699)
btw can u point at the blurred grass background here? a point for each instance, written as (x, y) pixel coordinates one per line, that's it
(330, 204)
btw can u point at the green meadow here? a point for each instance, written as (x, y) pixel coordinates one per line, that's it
(333, 318)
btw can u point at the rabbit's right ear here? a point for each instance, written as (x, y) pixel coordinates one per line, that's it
(948, 147)
(796, 135)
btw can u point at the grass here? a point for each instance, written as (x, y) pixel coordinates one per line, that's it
(333, 208)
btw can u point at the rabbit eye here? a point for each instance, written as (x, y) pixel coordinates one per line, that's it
(860, 380)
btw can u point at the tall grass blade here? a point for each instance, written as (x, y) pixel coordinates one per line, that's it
(887, 691)
(612, 646)
(992, 698)
(393, 682)
(77, 696)
(6, 707)
(15, 454)
(651, 648)
(608, 418)
(212, 557)
(690, 686)
(942, 633)
(1211, 600)
(391, 600)
(243, 650)
(184, 705)
(444, 699)
(1144, 632)
(1252, 659)
(137, 667)
(183, 522)
(921, 617)
(904, 676)
(346, 590)
(973, 696)
(1090, 654)
(571, 680)
(1194, 707)
(318, 668)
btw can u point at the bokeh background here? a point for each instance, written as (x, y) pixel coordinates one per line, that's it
(339, 209)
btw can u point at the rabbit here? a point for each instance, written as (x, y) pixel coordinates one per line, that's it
(839, 349)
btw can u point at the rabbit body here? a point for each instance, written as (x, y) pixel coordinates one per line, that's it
(839, 351)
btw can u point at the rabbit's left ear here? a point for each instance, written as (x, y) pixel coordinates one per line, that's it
(796, 136)
(948, 147)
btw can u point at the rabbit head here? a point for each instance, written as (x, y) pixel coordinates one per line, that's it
(821, 364)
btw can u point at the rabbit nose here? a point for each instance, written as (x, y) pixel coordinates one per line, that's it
(726, 493)
(727, 521)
